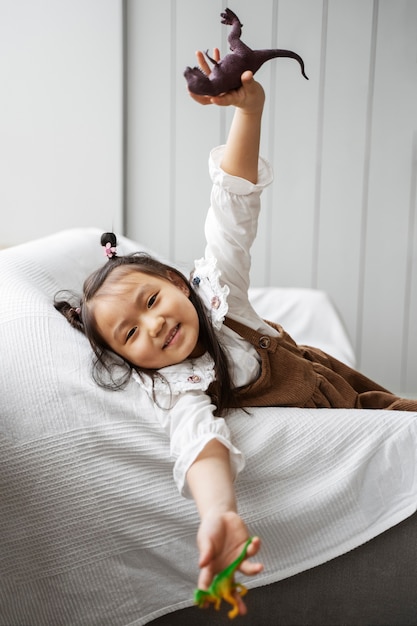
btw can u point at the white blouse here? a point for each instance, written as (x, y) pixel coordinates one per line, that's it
(221, 279)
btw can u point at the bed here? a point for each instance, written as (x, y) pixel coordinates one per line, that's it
(92, 529)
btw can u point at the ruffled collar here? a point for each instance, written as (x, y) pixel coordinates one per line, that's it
(190, 375)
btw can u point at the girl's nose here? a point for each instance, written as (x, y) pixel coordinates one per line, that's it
(153, 324)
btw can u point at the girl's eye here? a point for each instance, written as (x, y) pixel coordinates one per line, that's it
(151, 301)
(131, 333)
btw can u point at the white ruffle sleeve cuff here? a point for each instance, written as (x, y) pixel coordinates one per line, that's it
(185, 412)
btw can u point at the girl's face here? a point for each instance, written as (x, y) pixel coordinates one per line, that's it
(146, 319)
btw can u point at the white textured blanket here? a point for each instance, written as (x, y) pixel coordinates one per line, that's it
(92, 529)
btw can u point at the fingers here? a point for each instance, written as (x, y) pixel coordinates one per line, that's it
(247, 77)
(229, 98)
(248, 567)
(206, 553)
(249, 92)
(241, 605)
(254, 546)
(216, 54)
(202, 60)
(251, 569)
(205, 578)
(200, 99)
(236, 97)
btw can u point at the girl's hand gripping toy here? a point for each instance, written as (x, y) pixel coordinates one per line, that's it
(224, 587)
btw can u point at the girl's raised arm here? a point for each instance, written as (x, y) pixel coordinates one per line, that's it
(241, 154)
(242, 147)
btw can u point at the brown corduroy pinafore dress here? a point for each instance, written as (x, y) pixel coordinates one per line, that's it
(301, 376)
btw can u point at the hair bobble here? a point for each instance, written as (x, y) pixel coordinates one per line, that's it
(110, 251)
(109, 244)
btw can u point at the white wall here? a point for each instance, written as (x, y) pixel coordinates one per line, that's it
(60, 116)
(341, 215)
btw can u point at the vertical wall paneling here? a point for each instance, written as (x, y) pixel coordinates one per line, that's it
(319, 152)
(149, 124)
(362, 231)
(385, 263)
(173, 130)
(344, 144)
(266, 215)
(61, 116)
(409, 342)
(341, 213)
(295, 107)
(124, 84)
(198, 128)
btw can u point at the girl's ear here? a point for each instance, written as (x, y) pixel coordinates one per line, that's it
(176, 280)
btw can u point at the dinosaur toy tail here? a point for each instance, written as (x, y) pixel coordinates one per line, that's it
(266, 55)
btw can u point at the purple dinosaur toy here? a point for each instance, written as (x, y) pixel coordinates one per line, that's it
(225, 74)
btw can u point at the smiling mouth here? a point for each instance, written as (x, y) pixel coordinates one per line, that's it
(171, 336)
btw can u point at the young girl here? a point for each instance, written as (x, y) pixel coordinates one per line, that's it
(198, 348)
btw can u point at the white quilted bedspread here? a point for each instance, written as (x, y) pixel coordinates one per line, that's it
(92, 529)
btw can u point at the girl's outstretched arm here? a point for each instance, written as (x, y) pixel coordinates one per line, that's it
(222, 533)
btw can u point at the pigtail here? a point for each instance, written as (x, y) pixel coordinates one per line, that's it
(72, 313)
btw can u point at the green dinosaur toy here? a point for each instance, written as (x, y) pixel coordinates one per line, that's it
(224, 587)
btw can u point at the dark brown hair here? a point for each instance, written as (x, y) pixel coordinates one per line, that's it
(112, 371)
